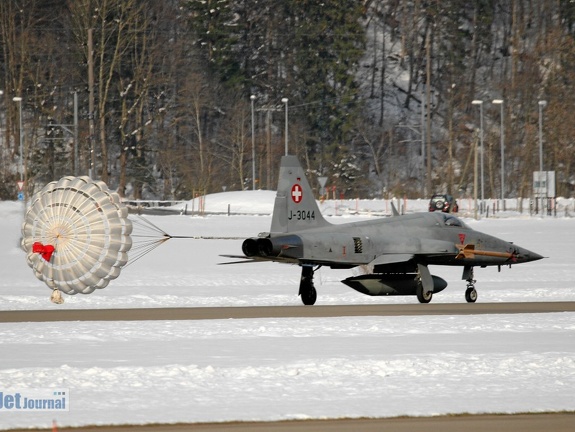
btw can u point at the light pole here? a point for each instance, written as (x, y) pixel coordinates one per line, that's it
(19, 100)
(1, 93)
(542, 104)
(500, 103)
(1, 141)
(285, 100)
(475, 176)
(480, 103)
(252, 99)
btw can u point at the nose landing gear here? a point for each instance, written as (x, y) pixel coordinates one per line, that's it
(470, 292)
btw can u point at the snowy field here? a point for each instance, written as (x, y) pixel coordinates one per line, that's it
(288, 368)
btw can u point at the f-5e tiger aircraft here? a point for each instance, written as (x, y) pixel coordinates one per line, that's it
(397, 250)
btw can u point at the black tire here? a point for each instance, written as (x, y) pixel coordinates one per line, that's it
(309, 296)
(471, 295)
(421, 296)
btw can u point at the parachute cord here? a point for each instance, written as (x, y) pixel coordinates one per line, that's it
(144, 223)
(145, 248)
(147, 237)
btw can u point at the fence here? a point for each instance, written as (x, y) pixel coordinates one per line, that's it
(561, 207)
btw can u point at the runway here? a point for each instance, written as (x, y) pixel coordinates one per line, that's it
(205, 313)
(560, 422)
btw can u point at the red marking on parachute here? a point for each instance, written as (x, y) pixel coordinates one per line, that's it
(296, 193)
(462, 238)
(45, 250)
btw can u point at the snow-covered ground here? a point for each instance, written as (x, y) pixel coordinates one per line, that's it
(266, 369)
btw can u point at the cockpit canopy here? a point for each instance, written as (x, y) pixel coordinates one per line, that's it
(452, 221)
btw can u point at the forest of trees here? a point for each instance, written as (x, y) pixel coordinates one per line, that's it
(379, 93)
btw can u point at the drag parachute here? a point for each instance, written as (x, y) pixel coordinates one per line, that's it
(76, 235)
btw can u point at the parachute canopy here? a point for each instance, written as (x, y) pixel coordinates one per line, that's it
(76, 235)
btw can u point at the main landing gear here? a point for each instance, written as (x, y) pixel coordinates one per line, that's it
(424, 284)
(306, 289)
(470, 292)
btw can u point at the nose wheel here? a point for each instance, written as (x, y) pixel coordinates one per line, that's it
(470, 292)
(471, 295)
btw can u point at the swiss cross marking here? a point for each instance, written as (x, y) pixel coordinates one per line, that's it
(462, 238)
(296, 193)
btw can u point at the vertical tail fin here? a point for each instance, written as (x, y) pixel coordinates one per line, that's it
(295, 207)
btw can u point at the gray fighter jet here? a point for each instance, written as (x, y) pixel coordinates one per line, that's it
(395, 251)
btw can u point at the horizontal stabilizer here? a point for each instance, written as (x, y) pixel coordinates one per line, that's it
(246, 259)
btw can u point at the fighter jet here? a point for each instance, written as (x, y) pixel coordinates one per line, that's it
(396, 251)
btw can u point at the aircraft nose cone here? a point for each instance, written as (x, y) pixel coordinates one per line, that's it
(525, 255)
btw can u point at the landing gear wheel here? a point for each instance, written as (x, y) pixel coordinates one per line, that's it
(423, 297)
(309, 296)
(423, 279)
(470, 292)
(306, 289)
(471, 295)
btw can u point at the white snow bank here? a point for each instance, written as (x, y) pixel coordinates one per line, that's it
(269, 369)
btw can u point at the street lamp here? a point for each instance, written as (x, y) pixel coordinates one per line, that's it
(1, 143)
(542, 104)
(480, 103)
(252, 99)
(285, 100)
(500, 103)
(1, 92)
(19, 100)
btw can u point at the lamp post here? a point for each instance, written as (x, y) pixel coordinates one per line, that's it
(480, 103)
(252, 99)
(542, 104)
(1, 141)
(475, 177)
(1, 93)
(19, 100)
(285, 100)
(500, 103)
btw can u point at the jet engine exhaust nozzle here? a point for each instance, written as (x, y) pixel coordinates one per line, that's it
(289, 246)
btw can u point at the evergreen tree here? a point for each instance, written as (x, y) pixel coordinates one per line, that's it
(216, 28)
(328, 42)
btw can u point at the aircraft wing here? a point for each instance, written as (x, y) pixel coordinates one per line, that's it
(391, 259)
(427, 249)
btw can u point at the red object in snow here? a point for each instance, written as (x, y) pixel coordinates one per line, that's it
(45, 250)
